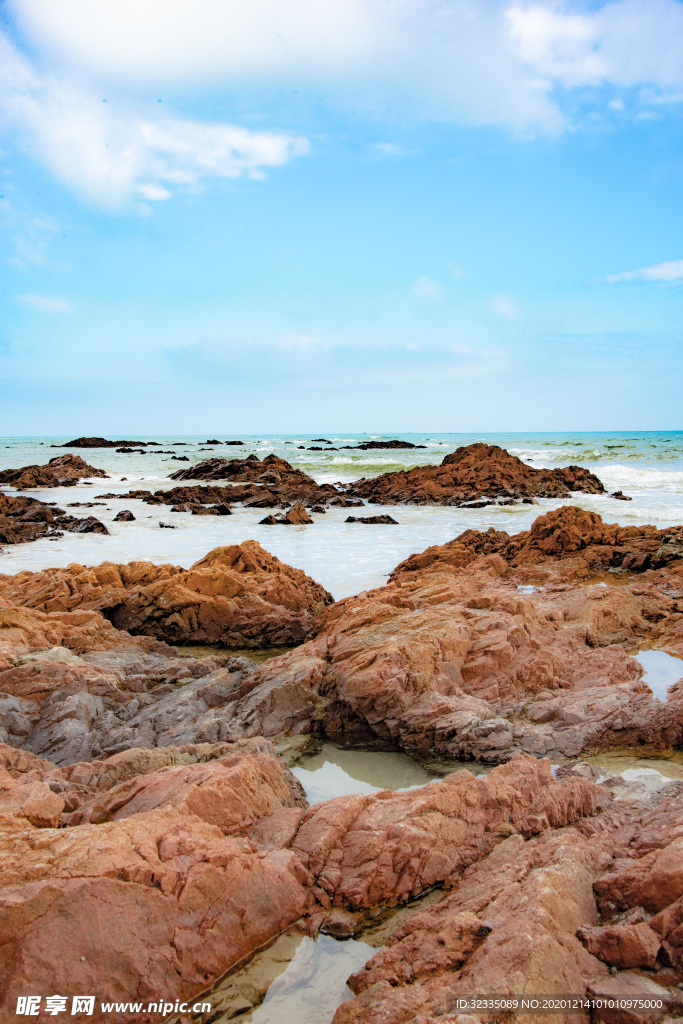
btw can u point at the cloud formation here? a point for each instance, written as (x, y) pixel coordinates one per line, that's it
(495, 63)
(671, 270)
(45, 304)
(109, 154)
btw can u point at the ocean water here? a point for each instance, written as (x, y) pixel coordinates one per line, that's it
(345, 558)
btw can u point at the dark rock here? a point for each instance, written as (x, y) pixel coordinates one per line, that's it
(180, 458)
(213, 441)
(297, 516)
(620, 496)
(102, 442)
(321, 440)
(167, 526)
(124, 517)
(381, 445)
(372, 520)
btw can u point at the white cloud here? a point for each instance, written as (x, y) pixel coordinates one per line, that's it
(110, 155)
(45, 304)
(671, 270)
(427, 288)
(506, 307)
(623, 43)
(500, 63)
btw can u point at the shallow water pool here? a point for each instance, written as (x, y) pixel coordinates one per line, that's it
(662, 670)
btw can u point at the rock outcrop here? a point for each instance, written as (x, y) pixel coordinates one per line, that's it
(472, 472)
(59, 472)
(236, 596)
(270, 480)
(23, 519)
(102, 442)
(567, 533)
(548, 914)
(161, 893)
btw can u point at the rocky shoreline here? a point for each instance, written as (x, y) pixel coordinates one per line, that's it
(154, 837)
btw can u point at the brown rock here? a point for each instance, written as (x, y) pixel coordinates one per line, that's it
(471, 472)
(236, 596)
(623, 946)
(559, 535)
(61, 470)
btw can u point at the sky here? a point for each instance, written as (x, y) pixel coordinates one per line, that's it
(252, 216)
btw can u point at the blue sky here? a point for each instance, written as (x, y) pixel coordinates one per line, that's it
(359, 215)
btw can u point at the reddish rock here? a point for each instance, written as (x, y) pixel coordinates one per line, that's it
(512, 925)
(471, 472)
(236, 596)
(386, 849)
(567, 532)
(64, 469)
(623, 946)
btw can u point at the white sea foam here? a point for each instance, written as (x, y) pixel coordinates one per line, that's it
(669, 480)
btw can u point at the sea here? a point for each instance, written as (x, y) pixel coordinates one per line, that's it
(346, 558)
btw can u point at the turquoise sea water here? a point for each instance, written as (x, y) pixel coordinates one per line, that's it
(346, 558)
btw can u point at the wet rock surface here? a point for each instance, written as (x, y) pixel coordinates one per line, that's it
(475, 471)
(23, 519)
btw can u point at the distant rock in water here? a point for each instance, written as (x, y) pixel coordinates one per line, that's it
(59, 472)
(379, 445)
(620, 496)
(124, 517)
(472, 472)
(277, 480)
(372, 520)
(102, 442)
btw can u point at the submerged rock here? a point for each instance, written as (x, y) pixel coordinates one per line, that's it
(372, 520)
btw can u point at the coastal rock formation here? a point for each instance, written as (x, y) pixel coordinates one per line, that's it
(24, 519)
(102, 442)
(171, 866)
(382, 445)
(534, 917)
(383, 850)
(472, 472)
(275, 477)
(156, 900)
(565, 533)
(236, 596)
(461, 662)
(59, 472)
